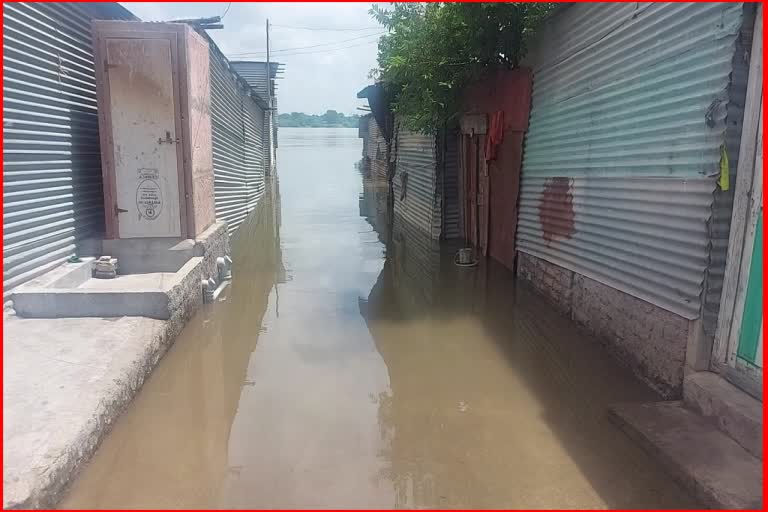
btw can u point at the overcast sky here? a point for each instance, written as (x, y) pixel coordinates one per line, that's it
(316, 79)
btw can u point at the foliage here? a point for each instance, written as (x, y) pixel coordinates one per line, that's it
(433, 50)
(331, 119)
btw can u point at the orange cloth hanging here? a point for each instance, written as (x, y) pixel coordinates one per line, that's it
(495, 134)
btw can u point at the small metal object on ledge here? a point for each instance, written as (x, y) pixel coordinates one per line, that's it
(105, 268)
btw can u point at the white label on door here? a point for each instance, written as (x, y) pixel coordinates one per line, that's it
(149, 195)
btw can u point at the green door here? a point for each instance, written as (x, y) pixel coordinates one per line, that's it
(750, 337)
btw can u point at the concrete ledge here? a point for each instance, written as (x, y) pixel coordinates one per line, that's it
(211, 244)
(210, 237)
(736, 413)
(51, 303)
(66, 381)
(716, 469)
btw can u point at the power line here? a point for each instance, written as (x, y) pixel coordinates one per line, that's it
(226, 10)
(328, 50)
(323, 29)
(323, 50)
(332, 43)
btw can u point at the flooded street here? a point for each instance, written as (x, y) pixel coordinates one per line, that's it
(338, 372)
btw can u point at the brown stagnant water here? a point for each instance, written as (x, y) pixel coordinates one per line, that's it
(339, 373)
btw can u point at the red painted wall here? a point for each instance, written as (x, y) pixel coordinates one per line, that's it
(510, 92)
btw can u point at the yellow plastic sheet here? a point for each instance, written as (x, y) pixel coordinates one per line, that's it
(725, 179)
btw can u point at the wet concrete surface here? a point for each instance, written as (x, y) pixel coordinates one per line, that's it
(338, 372)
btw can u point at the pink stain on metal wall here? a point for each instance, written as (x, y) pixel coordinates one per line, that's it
(556, 210)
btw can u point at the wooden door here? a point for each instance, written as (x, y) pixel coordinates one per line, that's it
(470, 176)
(476, 187)
(750, 344)
(504, 189)
(146, 141)
(483, 195)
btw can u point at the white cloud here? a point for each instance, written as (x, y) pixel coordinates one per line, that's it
(315, 79)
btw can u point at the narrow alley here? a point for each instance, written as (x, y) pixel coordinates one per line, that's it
(339, 372)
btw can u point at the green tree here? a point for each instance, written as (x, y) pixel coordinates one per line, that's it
(331, 119)
(433, 50)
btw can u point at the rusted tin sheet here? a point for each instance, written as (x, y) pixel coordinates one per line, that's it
(629, 111)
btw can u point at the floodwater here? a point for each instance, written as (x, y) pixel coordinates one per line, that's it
(338, 372)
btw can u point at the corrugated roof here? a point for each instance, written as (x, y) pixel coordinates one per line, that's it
(255, 73)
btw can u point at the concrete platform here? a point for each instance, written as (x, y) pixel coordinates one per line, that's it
(155, 276)
(154, 295)
(735, 413)
(141, 255)
(715, 468)
(65, 382)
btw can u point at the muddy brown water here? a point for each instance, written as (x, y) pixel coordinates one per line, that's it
(338, 372)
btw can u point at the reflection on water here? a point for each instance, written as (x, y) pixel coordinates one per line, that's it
(340, 372)
(318, 139)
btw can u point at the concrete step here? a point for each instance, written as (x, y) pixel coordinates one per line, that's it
(737, 414)
(141, 255)
(711, 465)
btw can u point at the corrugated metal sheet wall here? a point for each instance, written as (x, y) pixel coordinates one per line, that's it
(623, 149)
(253, 126)
(362, 131)
(238, 159)
(449, 151)
(372, 146)
(379, 169)
(269, 149)
(228, 143)
(415, 186)
(377, 151)
(52, 196)
(255, 74)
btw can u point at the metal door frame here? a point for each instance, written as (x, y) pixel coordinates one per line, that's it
(106, 136)
(747, 203)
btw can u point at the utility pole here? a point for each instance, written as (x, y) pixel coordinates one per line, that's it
(269, 107)
(269, 71)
